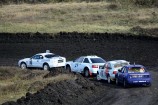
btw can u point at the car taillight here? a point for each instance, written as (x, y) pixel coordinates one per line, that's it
(114, 72)
(94, 66)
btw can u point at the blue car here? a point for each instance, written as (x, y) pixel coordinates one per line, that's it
(133, 75)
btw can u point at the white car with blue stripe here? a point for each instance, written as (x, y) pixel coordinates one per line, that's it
(87, 65)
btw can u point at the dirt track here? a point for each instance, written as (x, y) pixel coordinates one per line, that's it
(86, 91)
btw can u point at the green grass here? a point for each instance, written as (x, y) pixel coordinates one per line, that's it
(81, 17)
(15, 83)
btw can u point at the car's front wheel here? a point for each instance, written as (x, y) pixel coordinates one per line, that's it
(109, 79)
(23, 66)
(98, 77)
(125, 85)
(45, 67)
(86, 73)
(117, 82)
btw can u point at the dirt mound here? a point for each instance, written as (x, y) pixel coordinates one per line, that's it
(87, 91)
(68, 92)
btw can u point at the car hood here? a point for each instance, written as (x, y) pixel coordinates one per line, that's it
(25, 59)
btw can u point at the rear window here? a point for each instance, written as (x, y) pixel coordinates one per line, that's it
(120, 64)
(136, 69)
(51, 55)
(97, 60)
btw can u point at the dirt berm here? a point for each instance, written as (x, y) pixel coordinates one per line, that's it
(139, 49)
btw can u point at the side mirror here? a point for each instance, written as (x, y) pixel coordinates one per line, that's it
(119, 70)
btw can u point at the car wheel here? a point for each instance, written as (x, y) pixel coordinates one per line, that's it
(23, 66)
(68, 68)
(45, 67)
(109, 80)
(86, 73)
(125, 85)
(117, 82)
(98, 77)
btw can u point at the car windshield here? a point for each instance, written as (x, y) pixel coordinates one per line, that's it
(97, 60)
(136, 69)
(117, 65)
(51, 55)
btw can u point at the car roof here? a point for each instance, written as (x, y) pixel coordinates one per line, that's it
(44, 54)
(129, 66)
(117, 61)
(91, 56)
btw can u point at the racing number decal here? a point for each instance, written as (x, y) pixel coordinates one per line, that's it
(30, 62)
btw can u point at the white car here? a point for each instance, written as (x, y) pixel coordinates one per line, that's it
(43, 60)
(108, 71)
(88, 65)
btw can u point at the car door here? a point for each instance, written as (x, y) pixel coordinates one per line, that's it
(102, 71)
(82, 63)
(39, 62)
(35, 61)
(74, 65)
(107, 70)
(79, 65)
(121, 74)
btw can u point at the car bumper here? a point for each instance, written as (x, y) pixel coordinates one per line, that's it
(139, 82)
(57, 65)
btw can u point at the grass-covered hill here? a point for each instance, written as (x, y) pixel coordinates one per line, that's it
(121, 16)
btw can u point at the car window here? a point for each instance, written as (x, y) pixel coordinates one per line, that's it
(103, 66)
(51, 55)
(136, 69)
(123, 69)
(109, 65)
(117, 65)
(37, 57)
(86, 60)
(97, 60)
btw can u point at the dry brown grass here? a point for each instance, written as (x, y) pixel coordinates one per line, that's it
(15, 83)
(81, 17)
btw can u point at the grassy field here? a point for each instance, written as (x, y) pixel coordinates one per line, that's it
(15, 83)
(81, 17)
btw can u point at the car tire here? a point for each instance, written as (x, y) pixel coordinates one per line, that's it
(46, 67)
(125, 85)
(23, 66)
(86, 73)
(117, 82)
(108, 79)
(68, 68)
(98, 77)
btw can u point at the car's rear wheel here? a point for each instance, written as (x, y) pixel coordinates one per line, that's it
(23, 66)
(109, 80)
(46, 67)
(86, 73)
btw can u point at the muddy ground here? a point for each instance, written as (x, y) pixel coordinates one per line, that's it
(139, 49)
